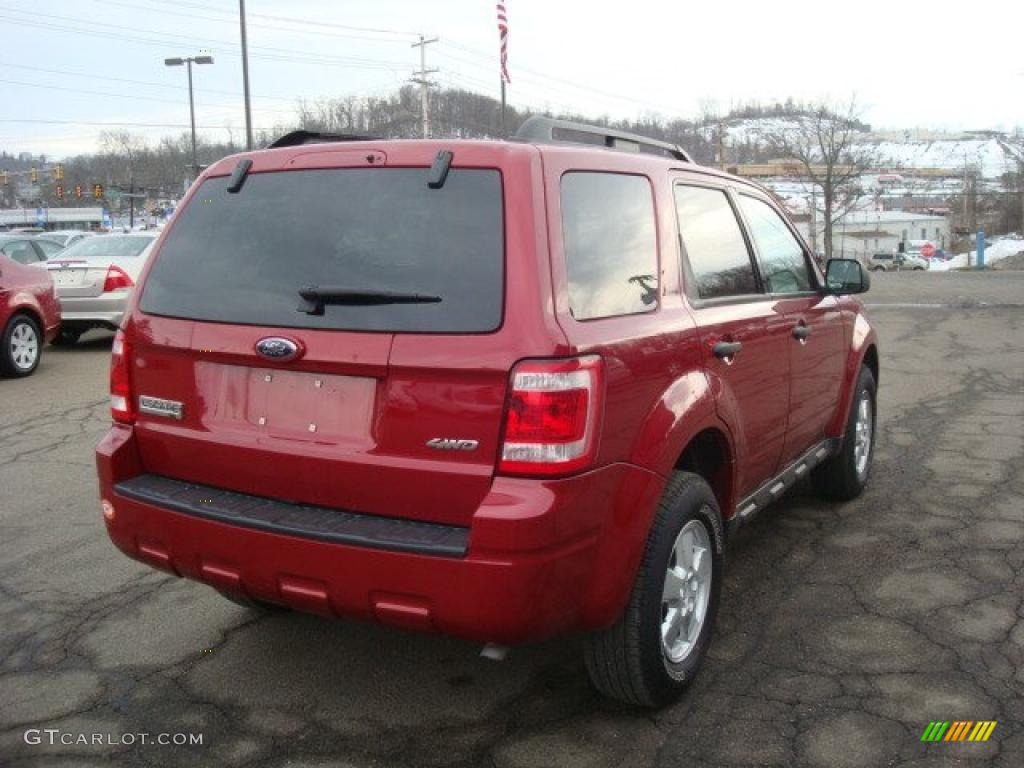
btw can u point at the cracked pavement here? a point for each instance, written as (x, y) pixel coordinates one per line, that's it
(844, 628)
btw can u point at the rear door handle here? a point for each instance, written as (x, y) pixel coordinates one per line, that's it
(801, 332)
(725, 349)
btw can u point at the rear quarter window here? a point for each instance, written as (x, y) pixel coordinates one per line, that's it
(610, 242)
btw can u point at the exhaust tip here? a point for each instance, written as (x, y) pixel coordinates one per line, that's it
(494, 652)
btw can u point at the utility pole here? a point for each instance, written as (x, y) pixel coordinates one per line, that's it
(245, 78)
(424, 83)
(721, 145)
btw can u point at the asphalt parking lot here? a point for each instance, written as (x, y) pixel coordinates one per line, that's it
(844, 629)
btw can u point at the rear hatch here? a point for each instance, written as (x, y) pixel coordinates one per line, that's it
(393, 264)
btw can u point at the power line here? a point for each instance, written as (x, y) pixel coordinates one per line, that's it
(295, 20)
(230, 19)
(274, 54)
(94, 76)
(133, 97)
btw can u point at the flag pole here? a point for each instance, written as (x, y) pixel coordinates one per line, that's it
(503, 54)
(504, 125)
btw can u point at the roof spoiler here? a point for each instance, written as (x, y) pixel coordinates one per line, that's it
(298, 138)
(549, 130)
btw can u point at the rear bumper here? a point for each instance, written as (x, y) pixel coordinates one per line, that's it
(103, 311)
(544, 557)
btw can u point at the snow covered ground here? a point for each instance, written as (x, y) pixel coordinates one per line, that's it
(1001, 248)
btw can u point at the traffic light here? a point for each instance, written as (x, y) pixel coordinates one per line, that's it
(97, 191)
(78, 190)
(34, 175)
(58, 172)
(60, 191)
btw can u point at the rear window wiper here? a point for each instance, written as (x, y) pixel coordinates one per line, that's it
(316, 297)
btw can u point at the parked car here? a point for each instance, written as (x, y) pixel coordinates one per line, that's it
(501, 390)
(29, 315)
(24, 249)
(888, 262)
(94, 278)
(66, 237)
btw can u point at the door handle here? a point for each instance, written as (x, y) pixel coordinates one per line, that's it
(724, 349)
(801, 332)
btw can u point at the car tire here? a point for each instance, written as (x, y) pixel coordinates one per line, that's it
(21, 346)
(67, 337)
(638, 660)
(844, 475)
(251, 603)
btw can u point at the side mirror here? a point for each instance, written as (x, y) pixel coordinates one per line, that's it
(846, 276)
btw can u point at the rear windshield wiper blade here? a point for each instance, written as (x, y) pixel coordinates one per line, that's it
(315, 298)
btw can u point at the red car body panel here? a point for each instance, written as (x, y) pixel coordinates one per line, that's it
(29, 290)
(545, 555)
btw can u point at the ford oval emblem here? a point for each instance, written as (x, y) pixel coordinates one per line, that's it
(277, 348)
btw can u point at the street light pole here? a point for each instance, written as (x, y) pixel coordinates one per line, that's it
(192, 118)
(245, 78)
(189, 61)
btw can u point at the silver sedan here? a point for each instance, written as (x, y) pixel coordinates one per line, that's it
(94, 278)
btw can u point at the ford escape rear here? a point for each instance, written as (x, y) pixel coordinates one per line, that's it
(501, 390)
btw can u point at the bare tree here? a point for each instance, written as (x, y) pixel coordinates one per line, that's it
(822, 142)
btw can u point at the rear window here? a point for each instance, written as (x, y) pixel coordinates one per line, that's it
(243, 258)
(108, 246)
(611, 251)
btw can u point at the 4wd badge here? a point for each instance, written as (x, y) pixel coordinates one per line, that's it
(452, 444)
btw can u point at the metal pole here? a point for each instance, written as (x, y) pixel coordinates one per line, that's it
(245, 78)
(192, 116)
(424, 96)
(504, 125)
(424, 83)
(131, 203)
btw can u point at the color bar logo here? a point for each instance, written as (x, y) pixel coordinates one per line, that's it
(958, 730)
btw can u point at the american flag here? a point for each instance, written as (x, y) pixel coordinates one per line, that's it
(503, 35)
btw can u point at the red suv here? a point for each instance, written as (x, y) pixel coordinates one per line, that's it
(500, 390)
(29, 310)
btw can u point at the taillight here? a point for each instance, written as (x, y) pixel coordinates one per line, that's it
(116, 278)
(122, 401)
(552, 417)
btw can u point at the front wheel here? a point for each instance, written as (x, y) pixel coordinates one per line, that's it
(844, 476)
(22, 345)
(653, 652)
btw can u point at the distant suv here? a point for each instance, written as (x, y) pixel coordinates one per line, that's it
(501, 390)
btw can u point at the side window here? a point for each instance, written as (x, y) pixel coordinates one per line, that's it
(718, 258)
(783, 264)
(611, 252)
(21, 251)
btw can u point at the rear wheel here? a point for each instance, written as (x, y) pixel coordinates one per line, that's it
(22, 345)
(844, 476)
(67, 337)
(652, 653)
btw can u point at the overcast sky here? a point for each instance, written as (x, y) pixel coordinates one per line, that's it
(67, 66)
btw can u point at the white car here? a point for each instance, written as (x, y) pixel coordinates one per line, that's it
(94, 278)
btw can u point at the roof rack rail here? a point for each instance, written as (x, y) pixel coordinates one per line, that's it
(549, 130)
(298, 138)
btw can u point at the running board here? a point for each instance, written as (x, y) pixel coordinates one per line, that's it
(778, 485)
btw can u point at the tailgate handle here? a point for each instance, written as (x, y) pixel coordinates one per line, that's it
(724, 349)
